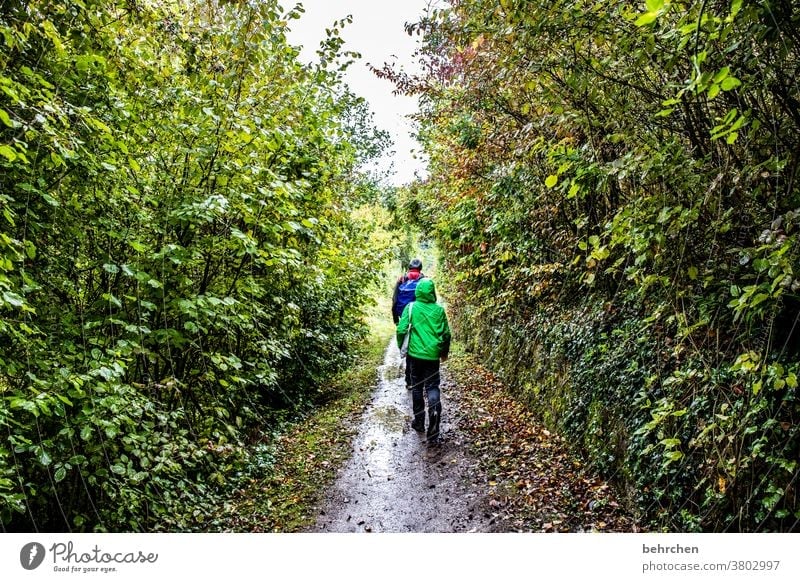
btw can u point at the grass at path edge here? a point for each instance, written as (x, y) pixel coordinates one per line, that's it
(305, 459)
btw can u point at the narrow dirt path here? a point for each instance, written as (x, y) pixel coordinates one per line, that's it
(394, 482)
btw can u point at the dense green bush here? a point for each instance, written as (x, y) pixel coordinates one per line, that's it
(178, 253)
(614, 188)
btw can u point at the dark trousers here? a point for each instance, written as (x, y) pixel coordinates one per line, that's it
(425, 376)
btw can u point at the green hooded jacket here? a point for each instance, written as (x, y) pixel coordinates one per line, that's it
(430, 332)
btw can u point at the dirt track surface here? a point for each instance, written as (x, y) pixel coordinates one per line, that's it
(395, 482)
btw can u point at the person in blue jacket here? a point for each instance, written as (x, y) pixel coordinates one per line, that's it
(405, 287)
(404, 292)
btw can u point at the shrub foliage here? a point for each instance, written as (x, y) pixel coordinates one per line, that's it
(179, 257)
(614, 186)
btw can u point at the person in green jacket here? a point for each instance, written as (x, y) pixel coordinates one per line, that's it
(429, 342)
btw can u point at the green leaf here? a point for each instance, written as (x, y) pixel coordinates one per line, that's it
(106, 372)
(646, 19)
(118, 469)
(759, 298)
(551, 181)
(730, 83)
(60, 473)
(757, 387)
(13, 299)
(721, 74)
(137, 246)
(654, 5)
(5, 118)
(49, 199)
(44, 458)
(693, 273)
(111, 299)
(8, 153)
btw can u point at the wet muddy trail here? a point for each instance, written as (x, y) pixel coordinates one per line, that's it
(394, 482)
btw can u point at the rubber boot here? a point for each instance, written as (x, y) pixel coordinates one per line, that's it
(418, 409)
(434, 416)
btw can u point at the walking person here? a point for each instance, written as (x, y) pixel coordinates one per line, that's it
(404, 292)
(425, 322)
(405, 287)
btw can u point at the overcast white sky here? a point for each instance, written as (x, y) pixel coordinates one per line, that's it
(377, 33)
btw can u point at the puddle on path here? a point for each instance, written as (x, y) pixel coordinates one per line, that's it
(394, 482)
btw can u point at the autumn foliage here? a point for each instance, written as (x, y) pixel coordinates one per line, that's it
(614, 189)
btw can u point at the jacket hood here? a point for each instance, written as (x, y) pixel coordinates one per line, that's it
(425, 292)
